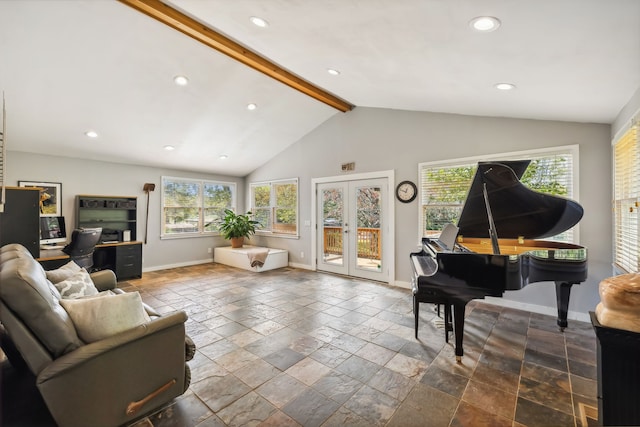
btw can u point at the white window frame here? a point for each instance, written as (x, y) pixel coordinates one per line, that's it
(626, 199)
(201, 232)
(572, 150)
(272, 207)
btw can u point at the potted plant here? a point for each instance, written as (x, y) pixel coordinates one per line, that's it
(236, 227)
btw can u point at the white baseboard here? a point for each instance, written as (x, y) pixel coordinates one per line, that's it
(403, 285)
(205, 261)
(540, 309)
(301, 266)
(179, 264)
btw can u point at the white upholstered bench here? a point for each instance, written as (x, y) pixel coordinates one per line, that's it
(238, 257)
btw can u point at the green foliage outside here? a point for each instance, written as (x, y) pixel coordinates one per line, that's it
(285, 208)
(184, 205)
(286, 203)
(332, 205)
(447, 187)
(367, 207)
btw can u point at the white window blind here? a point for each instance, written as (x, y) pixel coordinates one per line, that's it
(444, 185)
(626, 200)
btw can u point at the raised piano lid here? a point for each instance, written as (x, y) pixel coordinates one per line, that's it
(517, 210)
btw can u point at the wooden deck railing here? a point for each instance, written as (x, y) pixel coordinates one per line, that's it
(368, 241)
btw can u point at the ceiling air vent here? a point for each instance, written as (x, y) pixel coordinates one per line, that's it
(348, 166)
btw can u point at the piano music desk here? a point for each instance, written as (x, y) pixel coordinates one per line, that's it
(511, 246)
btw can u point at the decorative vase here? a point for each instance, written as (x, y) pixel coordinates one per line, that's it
(237, 242)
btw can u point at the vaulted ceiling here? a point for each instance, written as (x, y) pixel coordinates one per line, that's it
(68, 67)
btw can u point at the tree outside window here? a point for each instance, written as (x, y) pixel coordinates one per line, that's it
(445, 187)
(275, 206)
(192, 206)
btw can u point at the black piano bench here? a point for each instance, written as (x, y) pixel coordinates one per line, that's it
(448, 323)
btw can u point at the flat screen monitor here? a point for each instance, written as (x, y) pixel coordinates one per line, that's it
(52, 230)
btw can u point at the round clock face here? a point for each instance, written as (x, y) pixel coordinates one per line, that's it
(406, 191)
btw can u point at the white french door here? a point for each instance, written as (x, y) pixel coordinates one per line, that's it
(352, 228)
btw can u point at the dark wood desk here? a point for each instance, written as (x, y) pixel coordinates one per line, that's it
(124, 258)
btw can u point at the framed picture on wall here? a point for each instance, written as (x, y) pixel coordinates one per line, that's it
(50, 196)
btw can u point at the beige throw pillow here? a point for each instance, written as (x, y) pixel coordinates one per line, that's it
(77, 286)
(101, 317)
(62, 273)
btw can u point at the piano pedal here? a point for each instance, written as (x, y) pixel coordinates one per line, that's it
(438, 322)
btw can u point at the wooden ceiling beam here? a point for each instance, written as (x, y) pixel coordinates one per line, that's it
(192, 28)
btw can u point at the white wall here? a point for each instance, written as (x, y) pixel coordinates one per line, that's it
(113, 179)
(381, 139)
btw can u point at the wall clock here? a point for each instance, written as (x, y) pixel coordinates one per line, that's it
(406, 191)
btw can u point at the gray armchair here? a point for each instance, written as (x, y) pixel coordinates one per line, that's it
(109, 382)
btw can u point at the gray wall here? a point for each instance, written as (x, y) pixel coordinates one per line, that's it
(381, 139)
(377, 140)
(113, 179)
(629, 111)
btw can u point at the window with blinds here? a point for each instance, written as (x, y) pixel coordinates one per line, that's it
(626, 199)
(444, 185)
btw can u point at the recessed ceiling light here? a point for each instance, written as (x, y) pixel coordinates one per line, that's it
(484, 24)
(91, 134)
(169, 147)
(504, 86)
(181, 80)
(333, 71)
(251, 106)
(223, 157)
(259, 22)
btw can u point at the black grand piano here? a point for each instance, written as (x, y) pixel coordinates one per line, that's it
(495, 250)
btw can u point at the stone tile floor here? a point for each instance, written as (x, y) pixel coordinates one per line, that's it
(291, 347)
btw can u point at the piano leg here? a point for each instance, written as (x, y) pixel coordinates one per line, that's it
(458, 323)
(416, 312)
(563, 292)
(447, 321)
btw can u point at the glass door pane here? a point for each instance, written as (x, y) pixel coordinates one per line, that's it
(368, 236)
(331, 238)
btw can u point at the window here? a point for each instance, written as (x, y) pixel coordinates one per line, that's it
(275, 206)
(444, 185)
(191, 207)
(626, 195)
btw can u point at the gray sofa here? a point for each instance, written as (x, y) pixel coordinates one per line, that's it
(107, 382)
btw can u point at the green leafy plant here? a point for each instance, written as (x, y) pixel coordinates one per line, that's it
(234, 225)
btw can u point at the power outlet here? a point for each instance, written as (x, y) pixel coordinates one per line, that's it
(301, 254)
(209, 250)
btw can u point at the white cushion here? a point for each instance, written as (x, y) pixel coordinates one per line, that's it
(100, 317)
(76, 286)
(64, 272)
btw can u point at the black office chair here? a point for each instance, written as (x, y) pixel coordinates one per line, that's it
(83, 243)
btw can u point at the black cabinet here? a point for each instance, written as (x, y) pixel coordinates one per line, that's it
(618, 375)
(129, 260)
(125, 259)
(116, 215)
(20, 221)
